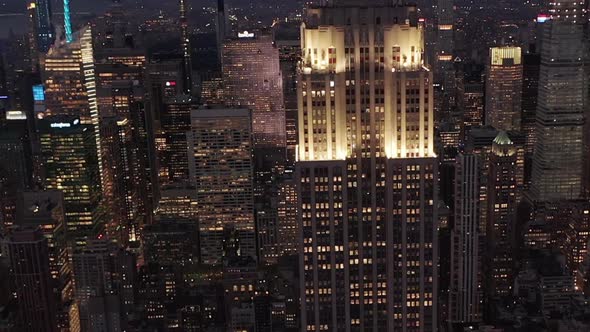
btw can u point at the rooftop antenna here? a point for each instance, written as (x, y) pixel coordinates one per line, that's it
(68, 22)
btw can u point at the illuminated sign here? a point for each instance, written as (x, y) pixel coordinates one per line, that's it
(38, 92)
(171, 83)
(60, 125)
(245, 34)
(3, 97)
(542, 18)
(15, 115)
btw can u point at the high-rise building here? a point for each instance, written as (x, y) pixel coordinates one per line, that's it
(178, 202)
(171, 242)
(70, 83)
(504, 88)
(171, 141)
(473, 105)
(68, 153)
(465, 297)
(28, 259)
(530, 89)
(252, 78)
(562, 101)
(45, 210)
(480, 143)
(220, 24)
(287, 215)
(187, 63)
(15, 149)
(104, 275)
(41, 29)
(220, 154)
(44, 31)
(123, 180)
(367, 172)
(444, 62)
(502, 199)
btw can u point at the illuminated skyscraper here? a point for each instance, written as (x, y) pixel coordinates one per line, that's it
(504, 88)
(367, 173)
(562, 101)
(70, 83)
(220, 162)
(465, 297)
(68, 153)
(252, 78)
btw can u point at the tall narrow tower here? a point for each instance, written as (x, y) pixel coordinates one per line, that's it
(367, 173)
(220, 27)
(187, 79)
(68, 22)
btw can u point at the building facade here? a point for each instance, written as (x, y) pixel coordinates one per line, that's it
(366, 170)
(558, 157)
(253, 79)
(220, 163)
(504, 88)
(465, 292)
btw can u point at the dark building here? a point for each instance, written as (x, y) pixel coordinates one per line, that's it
(28, 259)
(171, 242)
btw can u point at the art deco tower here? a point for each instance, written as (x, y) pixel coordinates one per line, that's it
(366, 170)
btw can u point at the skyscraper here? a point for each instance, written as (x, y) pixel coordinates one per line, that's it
(68, 153)
(504, 88)
(502, 199)
(220, 163)
(104, 285)
(45, 210)
(530, 89)
(220, 23)
(473, 105)
(562, 101)
(28, 260)
(123, 185)
(187, 63)
(445, 56)
(70, 83)
(171, 141)
(252, 78)
(465, 297)
(42, 31)
(367, 173)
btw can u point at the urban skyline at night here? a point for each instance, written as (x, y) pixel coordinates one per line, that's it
(324, 165)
